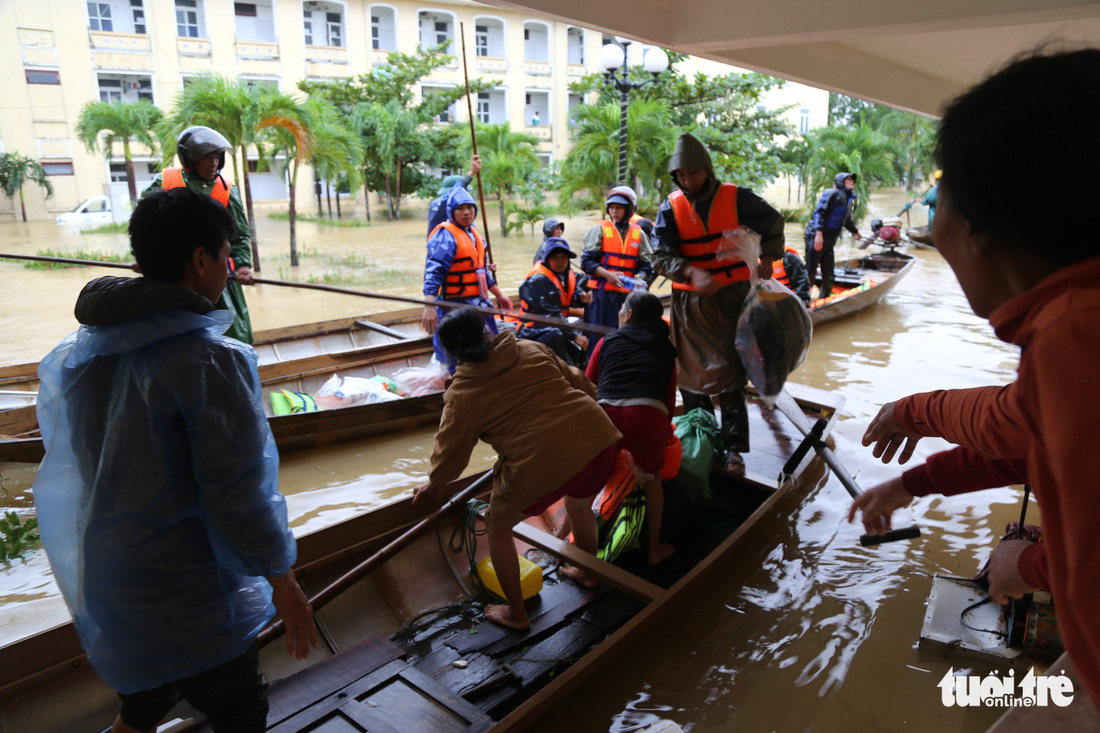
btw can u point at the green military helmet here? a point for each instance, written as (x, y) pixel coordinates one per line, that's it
(199, 141)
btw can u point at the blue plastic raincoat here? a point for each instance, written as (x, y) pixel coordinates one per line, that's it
(157, 498)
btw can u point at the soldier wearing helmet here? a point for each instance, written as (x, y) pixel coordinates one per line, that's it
(616, 258)
(201, 152)
(708, 292)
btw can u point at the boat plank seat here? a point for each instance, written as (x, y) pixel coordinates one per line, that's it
(614, 576)
(545, 610)
(368, 687)
(378, 327)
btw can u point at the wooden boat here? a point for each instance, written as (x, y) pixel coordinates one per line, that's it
(864, 281)
(920, 237)
(387, 660)
(301, 358)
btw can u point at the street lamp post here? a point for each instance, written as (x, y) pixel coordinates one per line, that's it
(613, 56)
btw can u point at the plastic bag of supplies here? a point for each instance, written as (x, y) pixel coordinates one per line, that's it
(774, 330)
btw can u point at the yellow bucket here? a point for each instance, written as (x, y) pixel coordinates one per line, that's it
(530, 577)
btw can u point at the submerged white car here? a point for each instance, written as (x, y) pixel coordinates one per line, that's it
(92, 211)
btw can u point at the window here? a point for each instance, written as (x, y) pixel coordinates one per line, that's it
(307, 24)
(481, 39)
(441, 35)
(187, 19)
(139, 16)
(99, 17)
(42, 77)
(254, 166)
(58, 168)
(334, 29)
(526, 34)
(483, 107)
(110, 90)
(375, 32)
(804, 121)
(244, 10)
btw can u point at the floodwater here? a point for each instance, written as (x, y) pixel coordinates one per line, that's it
(802, 630)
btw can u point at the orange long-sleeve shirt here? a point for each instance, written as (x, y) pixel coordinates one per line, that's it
(1048, 415)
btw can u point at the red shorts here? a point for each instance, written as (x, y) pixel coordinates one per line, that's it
(645, 432)
(588, 482)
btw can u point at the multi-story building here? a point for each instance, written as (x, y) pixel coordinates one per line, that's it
(56, 55)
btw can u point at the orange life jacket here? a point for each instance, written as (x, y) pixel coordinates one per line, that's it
(469, 256)
(779, 272)
(700, 241)
(173, 178)
(618, 256)
(635, 218)
(566, 292)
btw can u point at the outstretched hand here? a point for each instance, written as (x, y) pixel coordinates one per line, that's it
(878, 504)
(888, 436)
(293, 607)
(424, 492)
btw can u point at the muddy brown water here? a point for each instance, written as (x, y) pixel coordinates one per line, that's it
(802, 630)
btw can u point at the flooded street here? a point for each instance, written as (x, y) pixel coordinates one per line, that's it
(804, 630)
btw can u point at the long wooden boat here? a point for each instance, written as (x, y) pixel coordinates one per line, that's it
(404, 648)
(921, 237)
(863, 282)
(301, 358)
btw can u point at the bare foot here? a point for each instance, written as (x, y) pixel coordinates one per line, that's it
(578, 576)
(499, 614)
(660, 553)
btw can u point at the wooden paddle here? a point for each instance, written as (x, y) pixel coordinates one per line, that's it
(473, 144)
(345, 581)
(529, 317)
(813, 439)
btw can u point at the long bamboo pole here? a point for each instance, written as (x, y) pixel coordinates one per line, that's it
(473, 141)
(526, 317)
(338, 586)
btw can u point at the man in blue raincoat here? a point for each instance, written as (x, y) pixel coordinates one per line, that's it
(833, 212)
(158, 497)
(456, 269)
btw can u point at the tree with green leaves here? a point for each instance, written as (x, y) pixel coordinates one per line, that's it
(242, 112)
(16, 171)
(121, 121)
(592, 166)
(795, 156)
(507, 158)
(916, 139)
(860, 150)
(400, 135)
(295, 141)
(741, 135)
(337, 149)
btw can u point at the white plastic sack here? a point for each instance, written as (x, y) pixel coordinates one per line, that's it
(420, 381)
(340, 392)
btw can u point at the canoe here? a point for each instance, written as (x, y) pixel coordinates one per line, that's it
(861, 282)
(19, 382)
(391, 639)
(921, 237)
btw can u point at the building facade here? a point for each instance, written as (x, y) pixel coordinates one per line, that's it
(57, 55)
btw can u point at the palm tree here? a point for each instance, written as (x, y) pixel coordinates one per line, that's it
(860, 150)
(507, 158)
(336, 149)
(123, 121)
(16, 171)
(295, 139)
(796, 156)
(240, 111)
(593, 163)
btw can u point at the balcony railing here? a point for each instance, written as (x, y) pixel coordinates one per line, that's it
(542, 132)
(327, 54)
(257, 50)
(491, 65)
(537, 68)
(193, 46)
(124, 42)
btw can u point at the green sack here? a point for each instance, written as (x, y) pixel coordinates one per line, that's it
(698, 433)
(625, 530)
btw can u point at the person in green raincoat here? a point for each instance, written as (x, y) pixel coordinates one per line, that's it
(201, 152)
